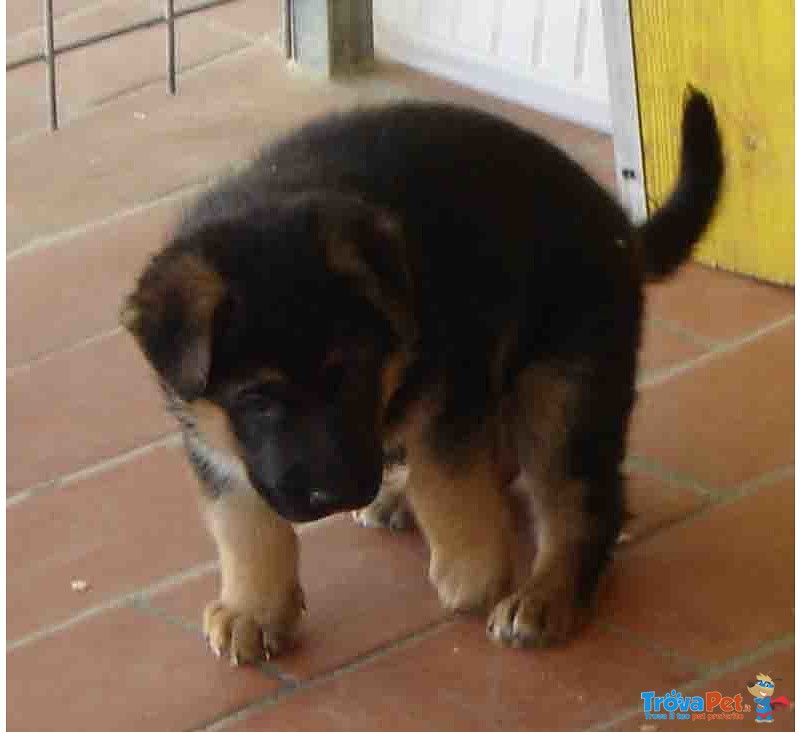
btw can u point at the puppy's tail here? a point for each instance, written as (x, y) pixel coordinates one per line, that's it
(670, 234)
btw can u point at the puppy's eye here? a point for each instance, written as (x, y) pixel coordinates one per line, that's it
(274, 413)
(265, 407)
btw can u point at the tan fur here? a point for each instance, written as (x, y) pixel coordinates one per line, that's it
(212, 421)
(547, 399)
(260, 600)
(344, 257)
(215, 427)
(187, 279)
(466, 518)
(390, 508)
(201, 286)
(391, 377)
(543, 609)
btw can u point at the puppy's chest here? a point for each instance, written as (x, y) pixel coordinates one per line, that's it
(210, 445)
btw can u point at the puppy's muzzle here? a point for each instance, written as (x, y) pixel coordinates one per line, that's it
(305, 494)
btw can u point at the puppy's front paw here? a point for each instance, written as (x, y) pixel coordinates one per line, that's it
(539, 614)
(247, 637)
(470, 582)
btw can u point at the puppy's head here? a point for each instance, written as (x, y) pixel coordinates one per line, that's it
(287, 324)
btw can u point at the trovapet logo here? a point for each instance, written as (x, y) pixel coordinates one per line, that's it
(714, 705)
(711, 705)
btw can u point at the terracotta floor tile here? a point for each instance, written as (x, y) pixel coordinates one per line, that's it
(714, 587)
(598, 160)
(718, 305)
(662, 348)
(726, 421)
(780, 667)
(731, 684)
(26, 103)
(78, 408)
(69, 28)
(457, 680)
(364, 588)
(255, 18)
(123, 671)
(117, 160)
(120, 529)
(560, 131)
(24, 15)
(102, 71)
(654, 504)
(95, 269)
(694, 587)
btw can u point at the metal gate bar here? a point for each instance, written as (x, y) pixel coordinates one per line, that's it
(169, 12)
(50, 52)
(50, 57)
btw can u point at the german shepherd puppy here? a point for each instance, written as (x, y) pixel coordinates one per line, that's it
(421, 276)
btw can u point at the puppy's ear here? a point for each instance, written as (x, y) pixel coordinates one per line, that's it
(367, 245)
(170, 314)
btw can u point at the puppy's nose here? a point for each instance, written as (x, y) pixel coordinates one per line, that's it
(298, 483)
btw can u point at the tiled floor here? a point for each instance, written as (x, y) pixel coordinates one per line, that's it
(700, 597)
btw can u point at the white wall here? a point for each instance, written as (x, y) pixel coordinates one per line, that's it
(547, 54)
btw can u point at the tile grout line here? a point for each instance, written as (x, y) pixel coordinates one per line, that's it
(142, 604)
(714, 499)
(188, 72)
(127, 599)
(715, 670)
(220, 26)
(217, 26)
(169, 439)
(751, 486)
(636, 462)
(139, 598)
(660, 376)
(69, 16)
(712, 672)
(224, 721)
(673, 479)
(676, 329)
(48, 240)
(241, 43)
(620, 556)
(40, 358)
(642, 641)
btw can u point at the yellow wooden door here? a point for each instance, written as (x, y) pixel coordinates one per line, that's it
(741, 52)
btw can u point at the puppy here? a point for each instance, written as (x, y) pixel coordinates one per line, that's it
(425, 277)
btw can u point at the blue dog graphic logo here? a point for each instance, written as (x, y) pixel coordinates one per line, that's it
(762, 690)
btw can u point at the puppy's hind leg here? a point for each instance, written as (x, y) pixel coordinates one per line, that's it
(570, 457)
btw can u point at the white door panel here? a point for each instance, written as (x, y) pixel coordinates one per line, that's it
(547, 54)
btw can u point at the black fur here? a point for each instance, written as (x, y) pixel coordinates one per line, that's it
(495, 248)
(671, 233)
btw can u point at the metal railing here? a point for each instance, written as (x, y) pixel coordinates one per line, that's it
(50, 52)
